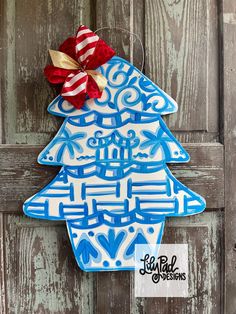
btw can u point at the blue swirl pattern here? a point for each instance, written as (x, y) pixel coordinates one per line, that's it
(127, 88)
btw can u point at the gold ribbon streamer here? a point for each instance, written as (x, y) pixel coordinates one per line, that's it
(98, 78)
(63, 61)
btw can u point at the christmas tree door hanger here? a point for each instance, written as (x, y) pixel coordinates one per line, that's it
(114, 189)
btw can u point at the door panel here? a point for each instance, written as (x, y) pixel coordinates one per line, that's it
(30, 28)
(38, 269)
(181, 41)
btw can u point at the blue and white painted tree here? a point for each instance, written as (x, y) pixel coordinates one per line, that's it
(114, 189)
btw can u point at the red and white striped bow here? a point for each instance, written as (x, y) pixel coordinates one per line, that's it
(75, 63)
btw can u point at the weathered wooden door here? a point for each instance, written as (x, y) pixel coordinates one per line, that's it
(190, 48)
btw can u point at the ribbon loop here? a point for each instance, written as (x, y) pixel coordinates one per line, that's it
(79, 76)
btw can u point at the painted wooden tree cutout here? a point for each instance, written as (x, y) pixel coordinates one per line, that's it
(114, 189)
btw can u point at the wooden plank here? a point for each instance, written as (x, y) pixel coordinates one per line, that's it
(21, 175)
(2, 230)
(204, 235)
(122, 15)
(113, 292)
(137, 22)
(204, 173)
(30, 29)
(204, 155)
(19, 182)
(2, 267)
(114, 14)
(181, 43)
(195, 136)
(229, 94)
(41, 272)
(2, 42)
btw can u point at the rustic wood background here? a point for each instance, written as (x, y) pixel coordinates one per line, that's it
(190, 48)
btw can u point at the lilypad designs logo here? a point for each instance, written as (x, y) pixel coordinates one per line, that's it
(161, 270)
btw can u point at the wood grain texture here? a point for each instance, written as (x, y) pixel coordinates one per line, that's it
(2, 239)
(195, 136)
(137, 22)
(2, 43)
(114, 14)
(2, 267)
(113, 292)
(41, 273)
(204, 236)
(229, 66)
(117, 15)
(31, 28)
(22, 176)
(182, 57)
